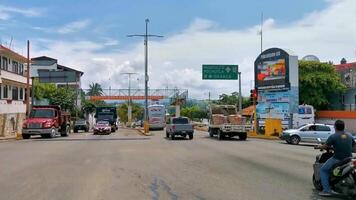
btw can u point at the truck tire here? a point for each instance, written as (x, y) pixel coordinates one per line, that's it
(65, 133)
(242, 136)
(26, 136)
(167, 134)
(191, 136)
(211, 132)
(220, 135)
(53, 133)
(173, 137)
(75, 131)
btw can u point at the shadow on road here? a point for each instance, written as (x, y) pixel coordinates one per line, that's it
(84, 139)
(303, 144)
(225, 139)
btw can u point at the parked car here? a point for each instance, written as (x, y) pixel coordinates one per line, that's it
(102, 127)
(179, 126)
(81, 125)
(308, 133)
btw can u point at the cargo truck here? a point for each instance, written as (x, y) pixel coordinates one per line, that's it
(226, 122)
(47, 121)
(109, 114)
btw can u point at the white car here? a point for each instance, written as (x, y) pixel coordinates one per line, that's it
(308, 133)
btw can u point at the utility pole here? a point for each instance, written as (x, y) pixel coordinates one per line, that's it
(240, 96)
(129, 106)
(261, 33)
(28, 81)
(146, 36)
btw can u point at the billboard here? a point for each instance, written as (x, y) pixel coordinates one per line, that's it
(272, 70)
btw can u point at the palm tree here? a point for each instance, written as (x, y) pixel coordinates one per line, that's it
(95, 90)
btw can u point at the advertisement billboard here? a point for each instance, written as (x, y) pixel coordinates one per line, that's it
(272, 70)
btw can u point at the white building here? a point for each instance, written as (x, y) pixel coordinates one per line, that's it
(12, 91)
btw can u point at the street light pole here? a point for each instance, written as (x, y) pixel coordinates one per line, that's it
(129, 106)
(146, 36)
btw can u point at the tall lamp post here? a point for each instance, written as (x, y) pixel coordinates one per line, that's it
(129, 106)
(146, 36)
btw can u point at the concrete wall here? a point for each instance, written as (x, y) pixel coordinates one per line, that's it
(11, 123)
(13, 107)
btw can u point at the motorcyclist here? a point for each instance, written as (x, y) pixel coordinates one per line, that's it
(342, 144)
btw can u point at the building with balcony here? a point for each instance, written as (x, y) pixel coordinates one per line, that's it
(13, 82)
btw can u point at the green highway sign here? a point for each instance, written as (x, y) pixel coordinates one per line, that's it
(220, 72)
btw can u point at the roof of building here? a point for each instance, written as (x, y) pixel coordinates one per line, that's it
(61, 67)
(44, 58)
(64, 68)
(341, 67)
(8, 52)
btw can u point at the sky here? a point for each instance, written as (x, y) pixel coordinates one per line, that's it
(91, 36)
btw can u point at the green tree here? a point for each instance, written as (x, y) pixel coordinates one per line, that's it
(318, 83)
(65, 97)
(95, 89)
(137, 112)
(232, 99)
(194, 112)
(43, 90)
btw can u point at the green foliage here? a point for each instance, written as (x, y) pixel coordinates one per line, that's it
(137, 112)
(43, 90)
(318, 83)
(88, 106)
(233, 99)
(65, 97)
(95, 89)
(194, 112)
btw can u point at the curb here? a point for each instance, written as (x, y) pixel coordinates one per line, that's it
(142, 132)
(7, 138)
(263, 137)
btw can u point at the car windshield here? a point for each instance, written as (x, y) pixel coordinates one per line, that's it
(180, 121)
(102, 123)
(80, 122)
(42, 113)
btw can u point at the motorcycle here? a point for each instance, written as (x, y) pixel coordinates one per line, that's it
(342, 175)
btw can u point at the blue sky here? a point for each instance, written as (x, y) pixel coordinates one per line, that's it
(116, 19)
(90, 36)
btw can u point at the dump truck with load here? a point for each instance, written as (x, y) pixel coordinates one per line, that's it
(47, 121)
(226, 122)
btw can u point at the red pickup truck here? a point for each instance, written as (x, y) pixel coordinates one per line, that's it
(47, 121)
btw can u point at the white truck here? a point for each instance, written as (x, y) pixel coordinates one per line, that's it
(227, 128)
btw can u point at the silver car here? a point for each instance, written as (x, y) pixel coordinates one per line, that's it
(308, 133)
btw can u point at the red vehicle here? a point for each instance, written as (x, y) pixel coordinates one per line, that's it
(47, 121)
(102, 127)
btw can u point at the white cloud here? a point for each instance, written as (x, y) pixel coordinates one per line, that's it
(6, 12)
(74, 26)
(176, 60)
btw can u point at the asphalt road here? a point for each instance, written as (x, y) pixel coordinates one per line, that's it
(126, 165)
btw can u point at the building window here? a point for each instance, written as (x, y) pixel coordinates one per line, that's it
(20, 68)
(5, 94)
(21, 94)
(15, 93)
(4, 64)
(15, 67)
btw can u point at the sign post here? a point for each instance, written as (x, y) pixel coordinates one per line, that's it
(220, 72)
(223, 72)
